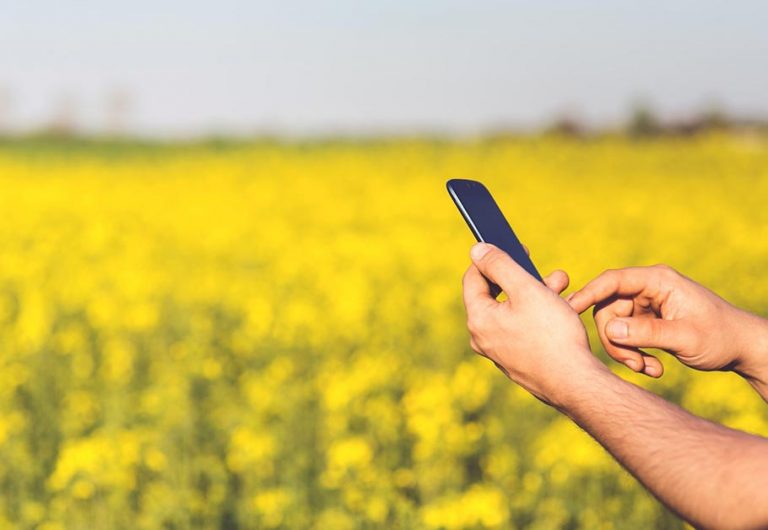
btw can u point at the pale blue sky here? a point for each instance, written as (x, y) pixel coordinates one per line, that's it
(310, 67)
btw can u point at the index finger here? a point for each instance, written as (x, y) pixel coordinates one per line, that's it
(477, 292)
(623, 282)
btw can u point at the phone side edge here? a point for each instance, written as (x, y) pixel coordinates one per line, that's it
(467, 219)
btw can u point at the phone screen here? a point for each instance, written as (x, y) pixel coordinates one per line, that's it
(486, 221)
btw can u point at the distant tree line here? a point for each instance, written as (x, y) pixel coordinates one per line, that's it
(644, 122)
(118, 105)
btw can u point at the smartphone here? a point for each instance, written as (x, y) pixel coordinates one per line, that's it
(487, 223)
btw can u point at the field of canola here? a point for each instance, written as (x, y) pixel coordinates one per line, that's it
(272, 336)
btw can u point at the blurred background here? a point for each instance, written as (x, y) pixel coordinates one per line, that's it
(230, 274)
(181, 69)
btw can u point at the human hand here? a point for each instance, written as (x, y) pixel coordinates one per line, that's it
(657, 307)
(533, 336)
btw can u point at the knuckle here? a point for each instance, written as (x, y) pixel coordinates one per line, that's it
(475, 324)
(664, 270)
(482, 346)
(609, 274)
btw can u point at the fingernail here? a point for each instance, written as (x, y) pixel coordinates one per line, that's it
(632, 365)
(617, 329)
(570, 297)
(479, 250)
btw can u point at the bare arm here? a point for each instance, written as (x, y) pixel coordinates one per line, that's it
(712, 476)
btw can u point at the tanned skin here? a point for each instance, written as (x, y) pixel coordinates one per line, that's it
(712, 476)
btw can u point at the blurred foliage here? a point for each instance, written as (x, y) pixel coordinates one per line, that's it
(271, 336)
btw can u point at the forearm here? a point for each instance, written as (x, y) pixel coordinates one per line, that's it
(711, 475)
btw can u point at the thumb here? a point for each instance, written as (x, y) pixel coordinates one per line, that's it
(671, 335)
(497, 266)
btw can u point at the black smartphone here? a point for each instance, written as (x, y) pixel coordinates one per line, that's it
(487, 223)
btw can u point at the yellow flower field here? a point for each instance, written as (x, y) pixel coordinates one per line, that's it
(272, 336)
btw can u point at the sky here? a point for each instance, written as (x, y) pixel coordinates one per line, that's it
(314, 67)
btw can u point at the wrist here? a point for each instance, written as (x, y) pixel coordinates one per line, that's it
(579, 384)
(594, 395)
(752, 360)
